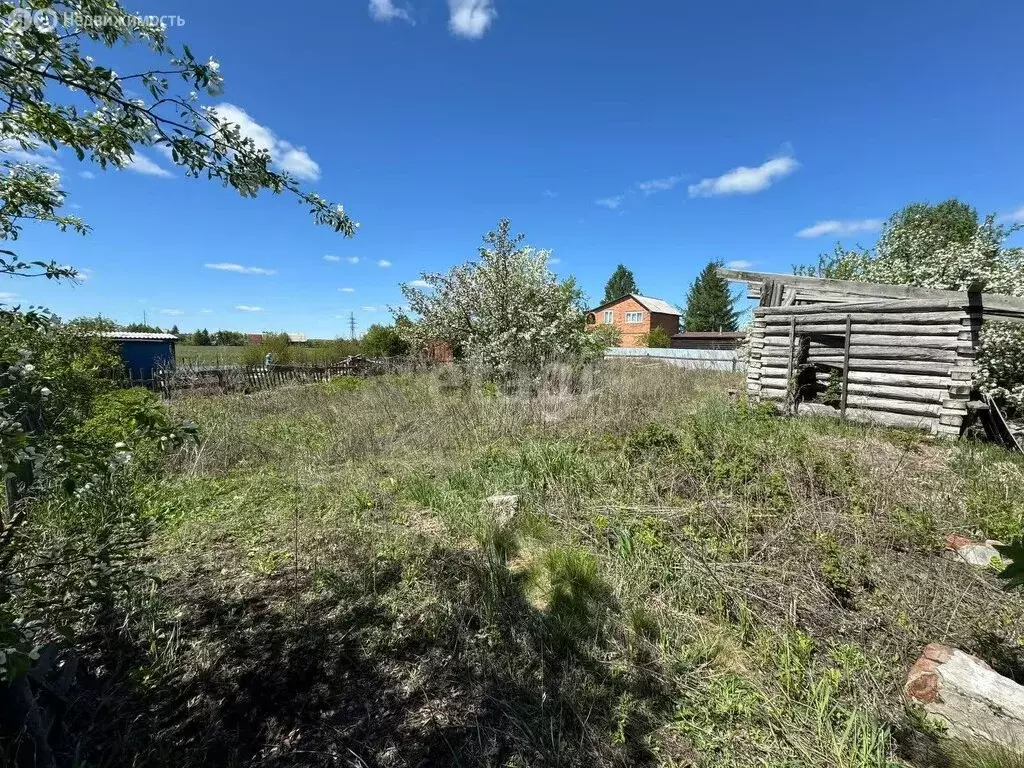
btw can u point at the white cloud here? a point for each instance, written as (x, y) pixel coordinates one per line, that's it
(347, 290)
(739, 264)
(87, 175)
(205, 311)
(658, 185)
(11, 150)
(419, 284)
(286, 156)
(7, 295)
(328, 257)
(386, 10)
(1016, 217)
(352, 259)
(744, 180)
(174, 312)
(248, 308)
(384, 263)
(142, 164)
(840, 228)
(611, 203)
(369, 309)
(470, 18)
(223, 266)
(550, 194)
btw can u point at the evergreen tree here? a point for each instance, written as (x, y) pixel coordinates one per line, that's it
(620, 284)
(174, 330)
(709, 305)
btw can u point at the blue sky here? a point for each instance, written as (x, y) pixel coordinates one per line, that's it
(607, 131)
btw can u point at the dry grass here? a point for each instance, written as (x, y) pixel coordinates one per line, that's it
(687, 581)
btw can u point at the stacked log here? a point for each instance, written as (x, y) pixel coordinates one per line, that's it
(901, 363)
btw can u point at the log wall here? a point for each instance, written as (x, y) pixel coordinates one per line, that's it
(903, 363)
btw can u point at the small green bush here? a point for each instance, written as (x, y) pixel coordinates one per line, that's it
(650, 441)
(656, 338)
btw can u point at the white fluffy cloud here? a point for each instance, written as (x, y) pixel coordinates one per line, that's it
(369, 309)
(223, 266)
(555, 260)
(352, 259)
(328, 257)
(470, 18)
(739, 264)
(7, 295)
(840, 228)
(87, 175)
(286, 156)
(11, 150)
(347, 290)
(384, 263)
(744, 180)
(611, 203)
(386, 10)
(419, 284)
(658, 185)
(1017, 217)
(142, 164)
(248, 308)
(174, 312)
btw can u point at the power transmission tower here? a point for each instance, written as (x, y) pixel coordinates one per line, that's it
(352, 325)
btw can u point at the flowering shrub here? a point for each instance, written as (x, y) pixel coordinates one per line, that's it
(506, 312)
(945, 247)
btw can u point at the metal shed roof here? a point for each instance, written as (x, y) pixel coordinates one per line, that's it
(136, 336)
(657, 305)
(652, 304)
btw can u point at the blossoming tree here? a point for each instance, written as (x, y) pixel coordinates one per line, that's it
(506, 311)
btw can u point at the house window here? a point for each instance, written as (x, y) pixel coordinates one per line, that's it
(609, 317)
(634, 317)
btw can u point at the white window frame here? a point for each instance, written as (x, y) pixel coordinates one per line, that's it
(634, 318)
(609, 316)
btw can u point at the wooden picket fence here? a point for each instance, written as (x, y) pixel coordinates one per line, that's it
(222, 379)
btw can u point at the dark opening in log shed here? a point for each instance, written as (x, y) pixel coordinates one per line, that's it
(893, 355)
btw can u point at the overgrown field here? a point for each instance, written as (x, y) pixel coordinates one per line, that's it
(686, 581)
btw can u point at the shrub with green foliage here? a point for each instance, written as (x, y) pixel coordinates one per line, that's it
(656, 338)
(384, 341)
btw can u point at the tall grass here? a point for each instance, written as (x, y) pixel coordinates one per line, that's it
(686, 580)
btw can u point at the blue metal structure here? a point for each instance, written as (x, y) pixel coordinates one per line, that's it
(143, 353)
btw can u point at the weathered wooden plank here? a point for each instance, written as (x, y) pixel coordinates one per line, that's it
(988, 303)
(863, 415)
(870, 318)
(884, 391)
(865, 352)
(857, 364)
(873, 377)
(883, 329)
(874, 340)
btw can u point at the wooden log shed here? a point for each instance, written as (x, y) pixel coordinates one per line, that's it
(893, 355)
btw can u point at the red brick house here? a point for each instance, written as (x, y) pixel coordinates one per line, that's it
(634, 316)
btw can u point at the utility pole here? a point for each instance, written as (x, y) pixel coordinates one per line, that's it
(144, 320)
(352, 325)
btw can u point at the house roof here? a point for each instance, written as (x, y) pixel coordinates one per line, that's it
(651, 304)
(137, 336)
